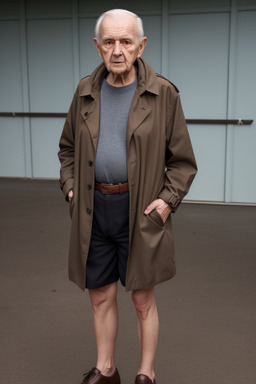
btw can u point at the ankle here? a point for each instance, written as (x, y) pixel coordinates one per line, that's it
(106, 370)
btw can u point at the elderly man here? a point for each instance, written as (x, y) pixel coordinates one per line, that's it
(126, 164)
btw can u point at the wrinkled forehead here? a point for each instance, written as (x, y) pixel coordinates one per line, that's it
(117, 27)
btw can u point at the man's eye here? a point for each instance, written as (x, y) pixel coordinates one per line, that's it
(125, 42)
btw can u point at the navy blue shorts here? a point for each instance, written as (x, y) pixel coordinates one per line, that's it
(109, 247)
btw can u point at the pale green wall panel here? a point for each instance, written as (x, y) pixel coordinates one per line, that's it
(244, 158)
(98, 7)
(209, 147)
(50, 65)
(12, 156)
(10, 73)
(181, 4)
(152, 52)
(48, 7)
(89, 57)
(247, 3)
(10, 8)
(45, 135)
(198, 63)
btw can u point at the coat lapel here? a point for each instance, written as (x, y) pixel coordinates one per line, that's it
(140, 108)
(91, 117)
(91, 112)
(138, 113)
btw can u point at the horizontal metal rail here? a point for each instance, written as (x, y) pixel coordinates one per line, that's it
(220, 121)
(32, 114)
(189, 121)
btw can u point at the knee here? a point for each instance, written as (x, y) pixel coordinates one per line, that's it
(97, 298)
(143, 301)
(102, 296)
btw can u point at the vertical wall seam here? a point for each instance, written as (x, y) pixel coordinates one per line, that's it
(75, 42)
(25, 90)
(231, 92)
(165, 39)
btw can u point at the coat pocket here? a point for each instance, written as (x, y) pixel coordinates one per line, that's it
(156, 217)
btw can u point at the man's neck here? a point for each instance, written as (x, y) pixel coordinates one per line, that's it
(121, 80)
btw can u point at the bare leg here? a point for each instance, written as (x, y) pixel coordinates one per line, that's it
(104, 304)
(148, 328)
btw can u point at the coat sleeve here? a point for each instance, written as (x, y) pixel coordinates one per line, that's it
(181, 165)
(66, 152)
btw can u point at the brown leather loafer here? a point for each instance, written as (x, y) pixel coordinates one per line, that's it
(94, 376)
(143, 379)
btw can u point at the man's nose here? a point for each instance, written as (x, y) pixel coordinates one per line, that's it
(117, 49)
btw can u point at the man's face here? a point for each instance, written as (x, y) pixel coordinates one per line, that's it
(119, 44)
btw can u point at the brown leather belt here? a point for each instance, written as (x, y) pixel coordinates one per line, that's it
(109, 189)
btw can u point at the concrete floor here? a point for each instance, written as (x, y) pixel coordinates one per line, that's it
(207, 312)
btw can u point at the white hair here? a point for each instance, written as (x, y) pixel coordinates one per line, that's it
(119, 12)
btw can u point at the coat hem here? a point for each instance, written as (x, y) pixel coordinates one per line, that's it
(137, 284)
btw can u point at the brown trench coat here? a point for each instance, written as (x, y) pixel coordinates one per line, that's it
(160, 162)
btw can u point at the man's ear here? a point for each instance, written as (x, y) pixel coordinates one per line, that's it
(143, 44)
(97, 47)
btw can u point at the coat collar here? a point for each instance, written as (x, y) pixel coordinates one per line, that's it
(146, 80)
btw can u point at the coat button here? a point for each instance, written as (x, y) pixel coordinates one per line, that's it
(89, 186)
(90, 163)
(89, 211)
